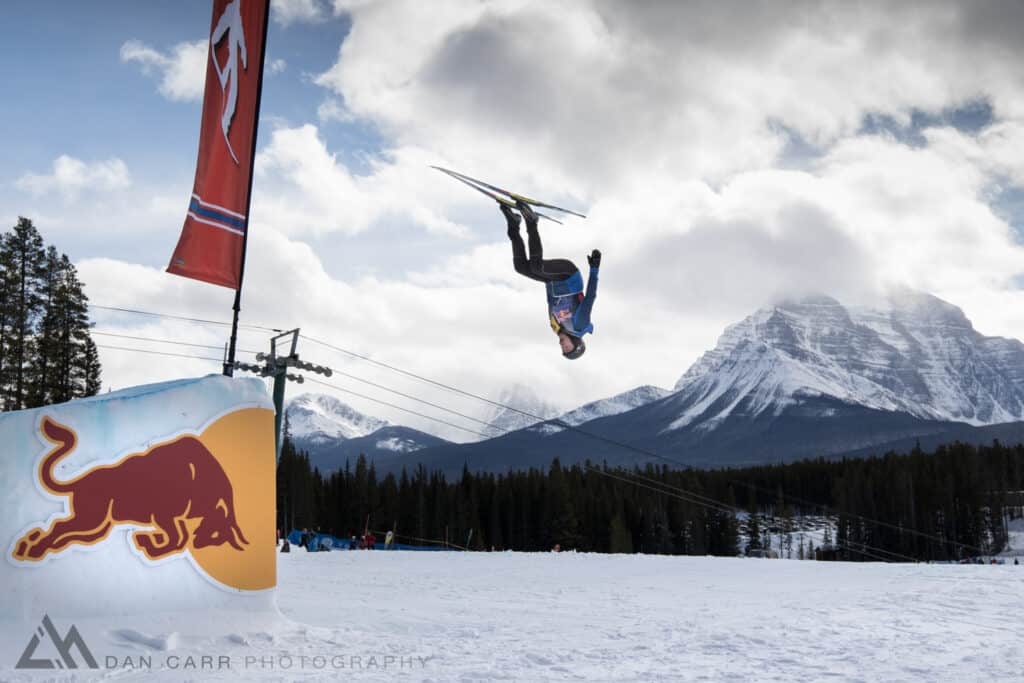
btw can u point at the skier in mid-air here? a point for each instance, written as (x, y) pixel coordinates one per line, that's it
(568, 307)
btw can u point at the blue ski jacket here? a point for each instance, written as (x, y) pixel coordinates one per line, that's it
(568, 307)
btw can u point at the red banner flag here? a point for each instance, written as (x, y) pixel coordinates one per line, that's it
(212, 243)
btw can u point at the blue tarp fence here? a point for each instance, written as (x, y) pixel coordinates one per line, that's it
(338, 543)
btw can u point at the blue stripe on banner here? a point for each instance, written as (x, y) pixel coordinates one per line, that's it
(197, 208)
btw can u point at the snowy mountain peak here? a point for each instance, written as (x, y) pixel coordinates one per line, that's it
(318, 417)
(918, 309)
(916, 354)
(524, 408)
(620, 403)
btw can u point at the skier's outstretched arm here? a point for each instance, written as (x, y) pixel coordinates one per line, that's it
(588, 299)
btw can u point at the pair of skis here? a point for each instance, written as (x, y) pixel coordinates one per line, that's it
(506, 197)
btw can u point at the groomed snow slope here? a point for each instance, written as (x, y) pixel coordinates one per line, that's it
(540, 617)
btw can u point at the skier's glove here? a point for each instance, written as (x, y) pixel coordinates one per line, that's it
(594, 259)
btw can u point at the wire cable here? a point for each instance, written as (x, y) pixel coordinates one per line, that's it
(419, 400)
(689, 496)
(652, 485)
(658, 486)
(159, 353)
(414, 375)
(392, 405)
(181, 317)
(164, 341)
(630, 447)
(694, 497)
(675, 492)
(726, 508)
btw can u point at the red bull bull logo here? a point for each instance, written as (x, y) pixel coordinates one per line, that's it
(164, 487)
(202, 496)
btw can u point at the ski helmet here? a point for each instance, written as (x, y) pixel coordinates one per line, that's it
(578, 347)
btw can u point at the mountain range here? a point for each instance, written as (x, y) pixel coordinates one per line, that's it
(804, 378)
(333, 432)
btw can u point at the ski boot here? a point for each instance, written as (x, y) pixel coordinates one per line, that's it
(528, 213)
(512, 218)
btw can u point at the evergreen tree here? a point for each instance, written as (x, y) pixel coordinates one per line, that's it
(24, 263)
(80, 371)
(564, 523)
(49, 369)
(46, 353)
(528, 510)
(621, 539)
(754, 542)
(496, 534)
(731, 531)
(8, 309)
(91, 369)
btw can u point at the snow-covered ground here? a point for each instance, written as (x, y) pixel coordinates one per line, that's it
(535, 617)
(1015, 542)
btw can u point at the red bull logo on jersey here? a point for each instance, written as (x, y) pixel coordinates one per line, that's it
(204, 496)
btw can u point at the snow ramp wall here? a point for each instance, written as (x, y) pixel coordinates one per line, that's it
(150, 500)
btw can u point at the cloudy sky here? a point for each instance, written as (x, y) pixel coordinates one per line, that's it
(726, 154)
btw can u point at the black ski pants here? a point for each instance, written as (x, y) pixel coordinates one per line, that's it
(535, 267)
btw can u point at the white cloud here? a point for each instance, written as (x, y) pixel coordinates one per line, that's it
(315, 194)
(408, 325)
(182, 72)
(287, 12)
(665, 122)
(993, 150)
(276, 66)
(604, 101)
(601, 91)
(332, 109)
(72, 176)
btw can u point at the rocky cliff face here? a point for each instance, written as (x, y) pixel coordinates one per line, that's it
(317, 418)
(918, 355)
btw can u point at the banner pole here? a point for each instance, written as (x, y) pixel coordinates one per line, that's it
(229, 364)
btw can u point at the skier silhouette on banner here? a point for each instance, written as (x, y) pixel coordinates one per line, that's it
(229, 24)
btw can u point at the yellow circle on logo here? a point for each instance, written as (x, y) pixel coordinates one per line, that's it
(243, 443)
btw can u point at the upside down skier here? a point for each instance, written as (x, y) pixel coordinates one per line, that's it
(568, 307)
